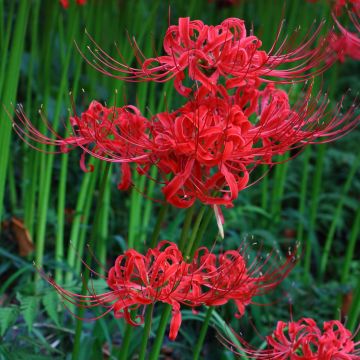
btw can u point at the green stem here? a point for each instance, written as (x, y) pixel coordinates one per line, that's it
(186, 226)
(8, 92)
(59, 244)
(354, 313)
(334, 223)
(203, 331)
(155, 351)
(94, 234)
(194, 232)
(158, 225)
(124, 350)
(202, 229)
(146, 333)
(350, 250)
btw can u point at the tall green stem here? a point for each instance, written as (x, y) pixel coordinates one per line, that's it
(203, 331)
(334, 223)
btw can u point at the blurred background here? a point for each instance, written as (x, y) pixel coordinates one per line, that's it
(46, 200)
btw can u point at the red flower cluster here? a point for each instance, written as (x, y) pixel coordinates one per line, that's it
(65, 3)
(304, 340)
(206, 53)
(347, 43)
(208, 147)
(163, 275)
(231, 121)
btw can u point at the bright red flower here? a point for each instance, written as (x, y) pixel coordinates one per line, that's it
(347, 43)
(207, 149)
(163, 275)
(65, 3)
(115, 134)
(304, 340)
(211, 144)
(354, 5)
(207, 53)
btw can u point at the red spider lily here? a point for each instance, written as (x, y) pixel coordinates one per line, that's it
(114, 134)
(210, 52)
(348, 43)
(210, 146)
(338, 5)
(304, 340)
(207, 149)
(163, 275)
(65, 3)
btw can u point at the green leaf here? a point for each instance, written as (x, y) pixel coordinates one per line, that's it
(51, 302)
(8, 316)
(28, 308)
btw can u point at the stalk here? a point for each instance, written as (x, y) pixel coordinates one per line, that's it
(146, 333)
(350, 250)
(49, 160)
(8, 94)
(186, 226)
(149, 309)
(93, 237)
(155, 351)
(59, 242)
(203, 331)
(337, 214)
(123, 354)
(353, 319)
(85, 189)
(302, 202)
(195, 238)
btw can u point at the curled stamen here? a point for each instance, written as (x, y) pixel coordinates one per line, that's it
(162, 274)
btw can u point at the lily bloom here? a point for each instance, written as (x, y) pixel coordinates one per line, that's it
(207, 149)
(163, 275)
(114, 134)
(305, 340)
(206, 53)
(347, 43)
(65, 3)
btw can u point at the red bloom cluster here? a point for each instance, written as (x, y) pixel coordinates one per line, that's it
(163, 275)
(210, 52)
(230, 123)
(208, 147)
(65, 3)
(304, 340)
(347, 43)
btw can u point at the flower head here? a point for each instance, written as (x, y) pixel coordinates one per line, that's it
(346, 43)
(207, 149)
(304, 340)
(163, 275)
(65, 3)
(116, 134)
(207, 53)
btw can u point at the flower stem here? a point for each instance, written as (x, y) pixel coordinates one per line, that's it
(186, 226)
(337, 214)
(123, 354)
(154, 355)
(194, 233)
(202, 334)
(159, 222)
(146, 333)
(94, 234)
